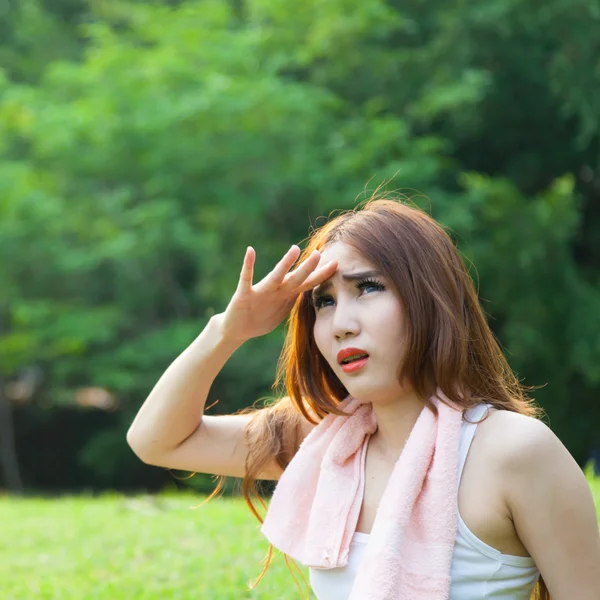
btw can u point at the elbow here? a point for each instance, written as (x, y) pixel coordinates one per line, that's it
(138, 447)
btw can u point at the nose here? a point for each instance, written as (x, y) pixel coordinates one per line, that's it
(345, 321)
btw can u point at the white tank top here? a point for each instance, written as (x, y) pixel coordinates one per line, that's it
(477, 570)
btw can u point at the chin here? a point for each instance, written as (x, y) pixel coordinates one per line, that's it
(374, 395)
(362, 395)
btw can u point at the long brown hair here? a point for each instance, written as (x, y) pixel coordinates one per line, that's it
(450, 343)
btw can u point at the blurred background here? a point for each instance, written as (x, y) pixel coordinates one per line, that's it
(144, 145)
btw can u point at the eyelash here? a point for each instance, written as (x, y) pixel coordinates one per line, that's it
(318, 301)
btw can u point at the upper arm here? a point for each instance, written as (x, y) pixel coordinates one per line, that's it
(219, 447)
(553, 511)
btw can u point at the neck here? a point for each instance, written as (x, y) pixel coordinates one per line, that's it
(395, 420)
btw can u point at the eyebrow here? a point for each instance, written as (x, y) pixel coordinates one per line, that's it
(346, 277)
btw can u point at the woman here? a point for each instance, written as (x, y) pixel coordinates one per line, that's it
(386, 282)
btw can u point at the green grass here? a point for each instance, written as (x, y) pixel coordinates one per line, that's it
(595, 485)
(122, 548)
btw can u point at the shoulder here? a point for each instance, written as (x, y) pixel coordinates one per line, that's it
(548, 499)
(523, 450)
(517, 442)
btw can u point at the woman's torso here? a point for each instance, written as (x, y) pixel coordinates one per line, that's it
(480, 497)
(486, 536)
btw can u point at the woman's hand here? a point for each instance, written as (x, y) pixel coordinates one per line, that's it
(256, 310)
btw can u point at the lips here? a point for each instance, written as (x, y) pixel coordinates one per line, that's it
(347, 352)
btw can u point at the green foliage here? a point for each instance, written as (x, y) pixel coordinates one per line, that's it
(155, 141)
(538, 295)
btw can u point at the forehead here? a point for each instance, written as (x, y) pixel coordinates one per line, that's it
(347, 256)
(351, 266)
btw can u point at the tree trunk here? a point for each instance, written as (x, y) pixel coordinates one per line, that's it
(8, 453)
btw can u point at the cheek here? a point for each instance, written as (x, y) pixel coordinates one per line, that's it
(389, 323)
(321, 337)
(317, 335)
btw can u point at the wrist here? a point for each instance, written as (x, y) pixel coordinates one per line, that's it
(226, 338)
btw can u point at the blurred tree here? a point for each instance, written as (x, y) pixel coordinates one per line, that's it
(9, 462)
(155, 141)
(134, 180)
(34, 33)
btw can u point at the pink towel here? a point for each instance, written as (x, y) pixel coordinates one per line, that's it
(316, 503)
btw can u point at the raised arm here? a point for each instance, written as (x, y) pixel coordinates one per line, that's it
(174, 409)
(170, 429)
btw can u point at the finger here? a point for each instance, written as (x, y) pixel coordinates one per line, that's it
(320, 275)
(298, 275)
(284, 265)
(245, 282)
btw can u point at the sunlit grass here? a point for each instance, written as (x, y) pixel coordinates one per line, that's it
(123, 548)
(595, 486)
(116, 547)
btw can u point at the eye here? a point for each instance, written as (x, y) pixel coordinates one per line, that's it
(319, 301)
(367, 283)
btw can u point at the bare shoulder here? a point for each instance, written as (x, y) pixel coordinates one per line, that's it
(522, 449)
(516, 441)
(549, 501)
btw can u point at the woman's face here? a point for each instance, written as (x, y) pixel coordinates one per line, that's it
(364, 313)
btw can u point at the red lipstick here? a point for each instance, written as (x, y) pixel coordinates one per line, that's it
(359, 360)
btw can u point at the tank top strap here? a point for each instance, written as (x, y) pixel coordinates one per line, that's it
(468, 432)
